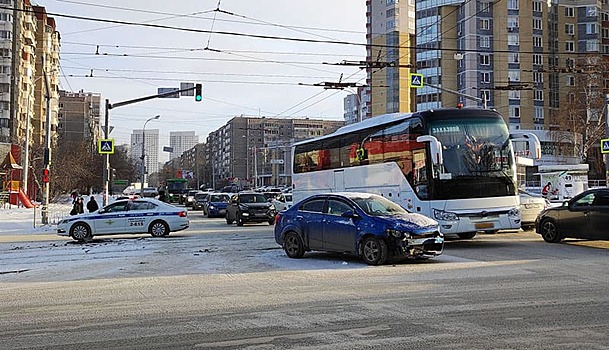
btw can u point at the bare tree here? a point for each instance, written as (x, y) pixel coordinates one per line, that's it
(580, 123)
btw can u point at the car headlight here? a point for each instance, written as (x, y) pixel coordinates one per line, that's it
(211, 207)
(445, 215)
(391, 232)
(514, 213)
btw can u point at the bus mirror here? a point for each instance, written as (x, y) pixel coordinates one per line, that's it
(531, 139)
(435, 147)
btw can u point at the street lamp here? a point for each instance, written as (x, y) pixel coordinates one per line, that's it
(143, 175)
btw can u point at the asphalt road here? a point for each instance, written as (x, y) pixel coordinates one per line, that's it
(215, 286)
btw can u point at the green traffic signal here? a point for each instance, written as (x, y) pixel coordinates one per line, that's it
(198, 93)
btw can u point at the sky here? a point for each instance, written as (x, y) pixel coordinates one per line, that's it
(158, 44)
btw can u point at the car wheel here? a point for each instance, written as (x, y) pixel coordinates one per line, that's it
(239, 220)
(466, 235)
(81, 232)
(293, 246)
(374, 251)
(158, 229)
(549, 231)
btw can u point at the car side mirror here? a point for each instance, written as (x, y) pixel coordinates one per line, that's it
(350, 214)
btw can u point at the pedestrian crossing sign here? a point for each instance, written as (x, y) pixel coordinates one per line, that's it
(416, 80)
(105, 146)
(605, 146)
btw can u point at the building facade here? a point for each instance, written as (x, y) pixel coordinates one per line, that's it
(79, 117)
(181, 141)
(390, 27)
(251, 152)
(151, 149)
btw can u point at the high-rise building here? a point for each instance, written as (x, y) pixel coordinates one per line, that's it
(151, 148)
(27, 35)
(390, 37)
(79, 117)
(180, 141)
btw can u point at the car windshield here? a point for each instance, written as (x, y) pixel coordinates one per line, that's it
(378, 206)
(219, 198)
(192, 193)
(252, 198)
(200, 196)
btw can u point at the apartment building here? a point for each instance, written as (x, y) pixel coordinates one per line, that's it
(390, 28)
(255, 151)
(79, 117)
(151, 149)
(181, 141)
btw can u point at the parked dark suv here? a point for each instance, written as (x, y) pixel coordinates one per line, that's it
(249, 207)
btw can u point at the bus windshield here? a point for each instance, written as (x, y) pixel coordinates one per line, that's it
(478, 159)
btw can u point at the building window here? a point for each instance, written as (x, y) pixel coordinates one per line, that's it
(537, 24)
(514, 94)
(591, 11)
(513, 57)
(485, 23)
(537, 59)
(538, 95)
(512, 22)
(513, 75)
(591, 28)
(484, 6)
(485, 41)
(592, 45)
(537, 6)
(512, 5)
(513, 39)
(537, 41)
(485, 77)
(570, 80)
(538, 113)
(538, 77)
(569, 12)
(569, 46)
(485, 60)
(514, 111)
(569, 29)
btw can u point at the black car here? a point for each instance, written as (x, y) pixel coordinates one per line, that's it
(200, 199)
(584, 216)
(249, 207)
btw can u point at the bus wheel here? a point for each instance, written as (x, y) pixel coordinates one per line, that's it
(374, 251)
(466, 235)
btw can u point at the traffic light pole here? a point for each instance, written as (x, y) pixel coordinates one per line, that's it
(109, 106)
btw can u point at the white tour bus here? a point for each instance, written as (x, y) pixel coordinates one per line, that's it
(454, 165)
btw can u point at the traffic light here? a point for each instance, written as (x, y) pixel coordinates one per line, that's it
(45, 175)
(198, 92)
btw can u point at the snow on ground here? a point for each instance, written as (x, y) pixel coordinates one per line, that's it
(16, 220)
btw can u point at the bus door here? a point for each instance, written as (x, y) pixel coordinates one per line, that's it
(339, 180)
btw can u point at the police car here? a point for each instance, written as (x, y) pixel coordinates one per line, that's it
(141, 215)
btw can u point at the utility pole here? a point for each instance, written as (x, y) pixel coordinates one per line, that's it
(47, 149)
(607, 136)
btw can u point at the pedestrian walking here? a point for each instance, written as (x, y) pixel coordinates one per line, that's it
(92, 205)
(78, 207)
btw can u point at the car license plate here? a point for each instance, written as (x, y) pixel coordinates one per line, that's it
(483, 225)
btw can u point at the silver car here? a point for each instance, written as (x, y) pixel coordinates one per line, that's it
(142, 215)
(531, 205)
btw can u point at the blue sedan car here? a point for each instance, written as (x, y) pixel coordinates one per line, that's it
(367, 225)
